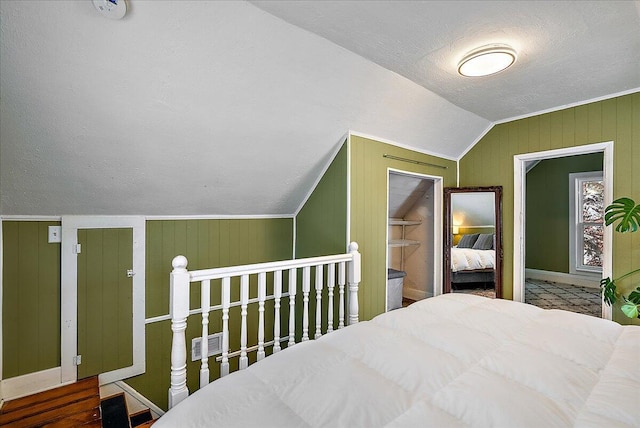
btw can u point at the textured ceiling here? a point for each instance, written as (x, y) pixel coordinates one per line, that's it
(473, 209)
(569, 51)
(220, 108)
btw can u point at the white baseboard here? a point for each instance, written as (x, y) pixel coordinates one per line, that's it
(413, 294)
(32, 383)
(564, 278)
(141, 398)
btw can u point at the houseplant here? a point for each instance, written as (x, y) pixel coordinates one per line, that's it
(626, 214)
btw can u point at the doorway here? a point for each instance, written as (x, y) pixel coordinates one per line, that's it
(103, 276)
(521, 163)
(414, 237)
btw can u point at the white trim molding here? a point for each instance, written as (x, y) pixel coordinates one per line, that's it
(402, 146)
(519, 199)
(141, 398)
(31, 218)
(218, 217)
(473, 144)
(344, 139)
(31, 383)
(566, 106)
(564, 278)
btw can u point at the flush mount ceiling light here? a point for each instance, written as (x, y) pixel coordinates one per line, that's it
(112, 9)
(487, 60)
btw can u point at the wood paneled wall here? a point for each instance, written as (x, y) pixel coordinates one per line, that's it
(31, 298)
(490, 162)
(206, 244)
(548, 210)
(321, 224)
(369, 210)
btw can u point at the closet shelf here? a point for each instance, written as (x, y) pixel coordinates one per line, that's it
(402, 243)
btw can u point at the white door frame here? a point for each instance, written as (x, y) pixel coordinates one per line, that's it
(519, 202)
(437, 228)
(69, 311)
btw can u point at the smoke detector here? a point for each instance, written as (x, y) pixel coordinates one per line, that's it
(112, 9)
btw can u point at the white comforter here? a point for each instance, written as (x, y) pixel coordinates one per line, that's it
(470, 259)
(449, 361)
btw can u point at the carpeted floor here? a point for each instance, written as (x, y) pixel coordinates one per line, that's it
(554, 295)
(549, 295)
(477, 288)
(478, 292)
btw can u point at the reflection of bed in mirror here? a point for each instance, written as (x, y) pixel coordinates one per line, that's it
(472, 239)
(473, 259)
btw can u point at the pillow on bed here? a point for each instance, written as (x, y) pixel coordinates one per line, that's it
(484, 242)
(467, 241)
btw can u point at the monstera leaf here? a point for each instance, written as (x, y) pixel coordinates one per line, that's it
(631, 304)
(626, 212)
(608, 290)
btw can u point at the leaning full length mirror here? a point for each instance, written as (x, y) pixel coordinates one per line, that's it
(473, 240)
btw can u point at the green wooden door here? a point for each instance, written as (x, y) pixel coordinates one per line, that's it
(105, 304)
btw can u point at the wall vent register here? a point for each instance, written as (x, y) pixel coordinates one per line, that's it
(215, 346)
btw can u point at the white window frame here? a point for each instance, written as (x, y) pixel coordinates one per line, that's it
(576, 226)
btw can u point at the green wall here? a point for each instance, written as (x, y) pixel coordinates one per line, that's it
(31, 276)
(490, 162)
(321, 229)
(105, 300)
(31, 298)
(369, 210)
(547, 245)
(206, 244)
(321, 224)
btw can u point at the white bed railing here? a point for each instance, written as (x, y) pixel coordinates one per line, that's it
(348, 265)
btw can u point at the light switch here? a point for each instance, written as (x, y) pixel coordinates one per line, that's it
(55, 234)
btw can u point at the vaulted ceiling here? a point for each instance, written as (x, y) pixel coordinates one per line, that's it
(221, 108)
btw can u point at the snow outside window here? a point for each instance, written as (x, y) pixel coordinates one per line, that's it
(586, 231)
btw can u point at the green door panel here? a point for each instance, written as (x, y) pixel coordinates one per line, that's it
(105, 306)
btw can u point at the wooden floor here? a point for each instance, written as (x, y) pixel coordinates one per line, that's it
(75, 405)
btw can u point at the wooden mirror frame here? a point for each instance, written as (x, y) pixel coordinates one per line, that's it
(447, 239)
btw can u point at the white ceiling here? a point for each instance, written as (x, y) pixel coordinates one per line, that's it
(569, 51)
(473, 209)
(219, 108)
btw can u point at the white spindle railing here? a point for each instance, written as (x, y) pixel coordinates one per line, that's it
(262, 296)
(306, 287)
(244, 302)
(277, 295)
(331, 283)
(348, 269)
(205, 291)
(341, 282)
(293, 278)
(318, 284)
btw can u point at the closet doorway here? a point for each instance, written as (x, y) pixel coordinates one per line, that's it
(522, 163)
(414, 237)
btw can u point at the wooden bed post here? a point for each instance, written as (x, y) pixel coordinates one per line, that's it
(354, 280)
(179, 305)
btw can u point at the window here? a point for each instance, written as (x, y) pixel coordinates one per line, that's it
(586, 231)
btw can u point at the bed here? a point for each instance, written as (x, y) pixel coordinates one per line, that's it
(473, 259)
(447, 361)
